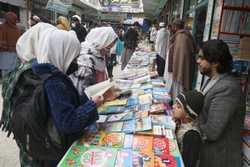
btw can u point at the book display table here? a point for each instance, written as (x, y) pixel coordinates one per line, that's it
(135, 129)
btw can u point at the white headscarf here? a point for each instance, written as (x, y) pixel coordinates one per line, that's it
(101, 37)
(97, 39)
(48, 45)
(32, 43)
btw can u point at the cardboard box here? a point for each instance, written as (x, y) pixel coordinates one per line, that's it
(244, 48)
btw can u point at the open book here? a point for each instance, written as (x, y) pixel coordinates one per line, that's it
(100, 89)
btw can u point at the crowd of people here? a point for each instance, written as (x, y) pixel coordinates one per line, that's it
(66, 58)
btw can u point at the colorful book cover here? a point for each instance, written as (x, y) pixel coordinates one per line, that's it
(159, 90)
(137, 92)
(144, 145)
(165, 120)
(146, 86)
(161, 98)
(157, 108)
(120, 117)
(173, 148)
(168, 133)
(145, 107)
(112, 139)
(117, 102)
(132, 108)
(145, 99)
(169, 161)
(90, 138)
(148, 91)
(161, 146)
(158, 162)
(124, 158)
(128, 141)
(158, 130)
(141, 114)
(143, 124)
(112, 110)
(128, 126)
(162, 153)
(89, 156)
(132, 101)
(147, 133)
(112, 127)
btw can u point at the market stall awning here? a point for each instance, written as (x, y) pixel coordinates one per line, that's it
(19, 3)
(152, 8)
(58, 6)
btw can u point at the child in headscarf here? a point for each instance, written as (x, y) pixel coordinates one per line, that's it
(69, 113)
(91, 62)
(186, 109)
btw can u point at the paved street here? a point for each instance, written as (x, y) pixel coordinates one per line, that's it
(9, 152)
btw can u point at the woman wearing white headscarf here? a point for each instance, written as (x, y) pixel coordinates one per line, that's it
(69, 113)
(91, 62)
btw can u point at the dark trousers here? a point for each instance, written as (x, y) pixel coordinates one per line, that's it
(191, 148)
(111, 61)
(160, 62)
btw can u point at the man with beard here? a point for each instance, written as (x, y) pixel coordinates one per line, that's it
(220, 119)
(78, 28)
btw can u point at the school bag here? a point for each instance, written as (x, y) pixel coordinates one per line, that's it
(30, 122)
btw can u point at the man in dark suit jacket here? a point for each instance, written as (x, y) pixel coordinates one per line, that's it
(220, 119)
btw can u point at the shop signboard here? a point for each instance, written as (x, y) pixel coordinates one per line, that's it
(58, 6)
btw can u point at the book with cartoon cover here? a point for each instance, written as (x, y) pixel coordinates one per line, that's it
(129, 158)
(112, 139)
(144, 145)
(89, 156)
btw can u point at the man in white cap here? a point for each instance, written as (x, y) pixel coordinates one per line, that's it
(161, 45)
(78, 28)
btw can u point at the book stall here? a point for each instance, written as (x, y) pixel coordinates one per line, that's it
(229, 22)
(135, 128)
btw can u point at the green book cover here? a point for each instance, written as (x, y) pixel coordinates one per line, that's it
(89, 156)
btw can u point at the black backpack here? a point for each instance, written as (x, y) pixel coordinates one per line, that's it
(30, 120)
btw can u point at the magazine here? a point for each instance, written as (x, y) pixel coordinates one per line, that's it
(89, 155)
